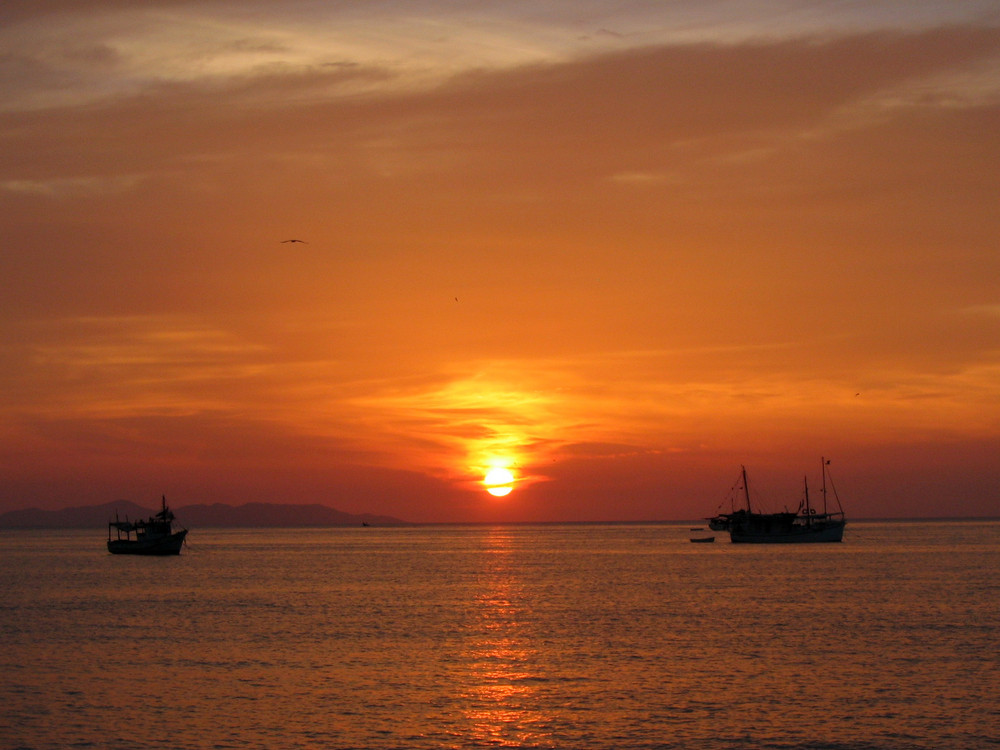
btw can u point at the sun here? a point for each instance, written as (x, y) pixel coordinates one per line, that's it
(498, 481)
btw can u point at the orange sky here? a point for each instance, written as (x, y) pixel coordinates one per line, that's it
(619, 248)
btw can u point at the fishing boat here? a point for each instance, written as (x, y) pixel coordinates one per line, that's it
(804, 525)
(702, 539)
(154, 536)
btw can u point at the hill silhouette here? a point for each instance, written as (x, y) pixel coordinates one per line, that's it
(249, 515)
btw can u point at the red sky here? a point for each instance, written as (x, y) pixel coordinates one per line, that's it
(619, 248)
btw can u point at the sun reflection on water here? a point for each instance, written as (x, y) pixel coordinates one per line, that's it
(500, 696)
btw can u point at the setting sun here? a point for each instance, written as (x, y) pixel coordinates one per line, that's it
(498, 481)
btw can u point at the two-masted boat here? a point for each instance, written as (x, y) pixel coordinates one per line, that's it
(805, 524)
(153, 536)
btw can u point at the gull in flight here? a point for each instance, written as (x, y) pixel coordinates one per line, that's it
(302, 241)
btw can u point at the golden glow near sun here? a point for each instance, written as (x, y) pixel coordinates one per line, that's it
(498, 481)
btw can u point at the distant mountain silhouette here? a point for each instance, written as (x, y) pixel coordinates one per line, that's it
(262, 515)
(91, 516)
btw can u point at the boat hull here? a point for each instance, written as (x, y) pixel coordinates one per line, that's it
(833, 532)
(157, 546)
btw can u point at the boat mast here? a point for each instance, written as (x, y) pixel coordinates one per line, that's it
(824, 462)
(746, 488)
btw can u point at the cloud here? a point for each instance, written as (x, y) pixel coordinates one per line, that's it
(643, 178)
(127, 366)
(990, 311)
(73, 187)
(63, 55)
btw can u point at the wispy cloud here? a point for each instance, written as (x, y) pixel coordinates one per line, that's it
(129, 366)
(65, 55)
(73, 187)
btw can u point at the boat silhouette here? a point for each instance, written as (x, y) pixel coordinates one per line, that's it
(154, 536)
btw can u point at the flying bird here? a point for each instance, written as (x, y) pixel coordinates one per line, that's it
(302, 241)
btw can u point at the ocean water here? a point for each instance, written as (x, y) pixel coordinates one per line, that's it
(575, 636)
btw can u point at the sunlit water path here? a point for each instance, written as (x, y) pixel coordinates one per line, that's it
(602, 636)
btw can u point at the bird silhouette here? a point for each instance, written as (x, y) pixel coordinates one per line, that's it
(302, 241)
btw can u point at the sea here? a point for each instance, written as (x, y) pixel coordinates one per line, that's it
(547, 636)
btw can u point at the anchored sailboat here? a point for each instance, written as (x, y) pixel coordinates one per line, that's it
(803, 525)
